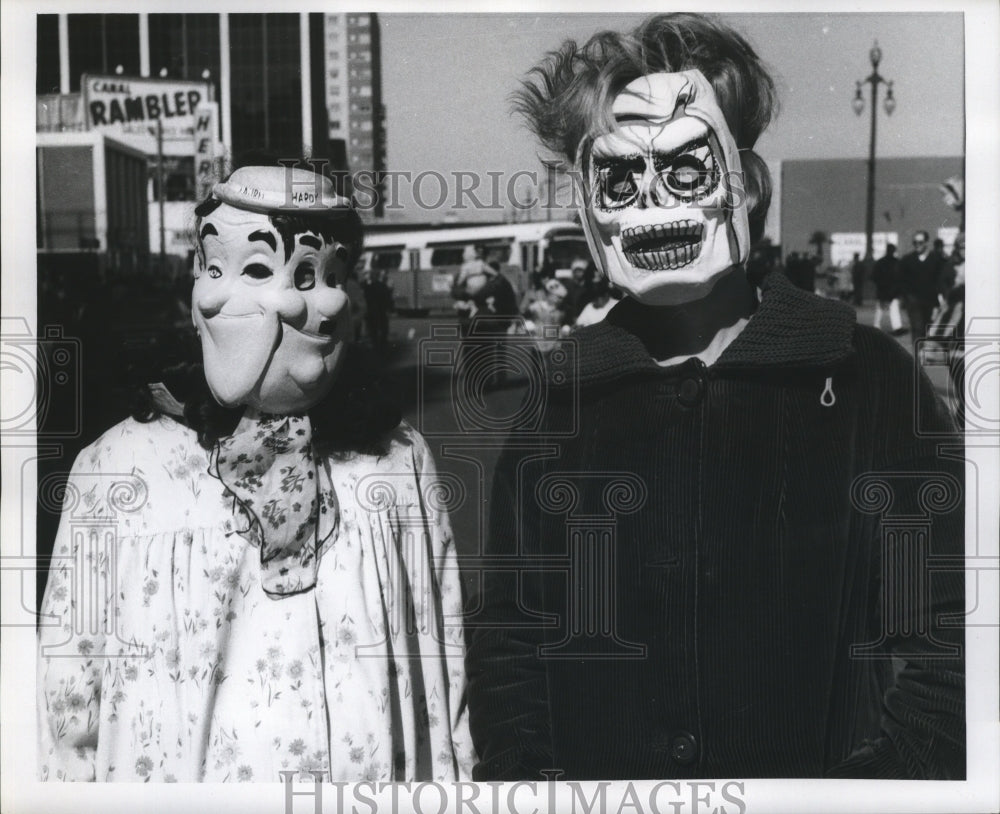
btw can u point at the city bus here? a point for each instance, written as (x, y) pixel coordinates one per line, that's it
(422, 264)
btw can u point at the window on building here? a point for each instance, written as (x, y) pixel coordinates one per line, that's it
(364, 39)
(98, 43)
(178, 175)
(201, 38)
(335, 124)
(365, 126)
(365, 90)
(387, 260)
(47, 64)
(266, 83)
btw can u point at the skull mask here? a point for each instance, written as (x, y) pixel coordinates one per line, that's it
(269, 307)
(664, 206)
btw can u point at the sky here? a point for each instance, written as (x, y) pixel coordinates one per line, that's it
(447, 80)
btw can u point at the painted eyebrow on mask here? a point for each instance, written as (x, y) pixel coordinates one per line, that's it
(694, 144)
(312, 242)
(265, 237)
(207, 229)
(614, 160)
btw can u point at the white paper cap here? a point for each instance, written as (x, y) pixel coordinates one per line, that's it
(264, 189)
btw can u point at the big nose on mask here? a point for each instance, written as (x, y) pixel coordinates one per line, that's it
(321, 313)
(239, 332)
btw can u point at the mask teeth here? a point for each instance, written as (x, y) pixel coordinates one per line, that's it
(672, 258)
(674, 230)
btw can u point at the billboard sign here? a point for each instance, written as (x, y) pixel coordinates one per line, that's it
(133, 109)
(844, 245)
(205, 149)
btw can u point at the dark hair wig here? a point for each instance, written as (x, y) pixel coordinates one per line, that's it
(355, 416)
(568, 96)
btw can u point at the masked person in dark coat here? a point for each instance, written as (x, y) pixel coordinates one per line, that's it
(716, 547)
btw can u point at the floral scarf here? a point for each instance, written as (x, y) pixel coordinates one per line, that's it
(270, 468)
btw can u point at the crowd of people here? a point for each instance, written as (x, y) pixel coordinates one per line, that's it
(922, 283)
(553, 305)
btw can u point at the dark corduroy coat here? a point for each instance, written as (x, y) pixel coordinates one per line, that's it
(742, 570)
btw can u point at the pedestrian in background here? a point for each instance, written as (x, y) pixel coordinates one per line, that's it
(359, 309)
(378, 306)
(920, 271)
(858, 280)
(885, 275)
(472, 276)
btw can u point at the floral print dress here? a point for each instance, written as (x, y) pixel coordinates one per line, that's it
(162, 659)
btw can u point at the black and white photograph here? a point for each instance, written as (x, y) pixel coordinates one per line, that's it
(507, 409)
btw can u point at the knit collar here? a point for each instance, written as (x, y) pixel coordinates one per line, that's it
(791, 329)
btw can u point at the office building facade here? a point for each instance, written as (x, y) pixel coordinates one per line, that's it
(285, 83)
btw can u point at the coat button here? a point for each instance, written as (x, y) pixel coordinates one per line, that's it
(683, 748)
(689, 392)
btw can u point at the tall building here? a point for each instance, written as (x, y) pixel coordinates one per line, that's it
(355, 113)
(283, 81)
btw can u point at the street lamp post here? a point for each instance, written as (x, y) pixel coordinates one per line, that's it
(875, 79)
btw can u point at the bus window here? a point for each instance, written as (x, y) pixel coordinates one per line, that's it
(447, 256)
(564, 251)
(498, 252)
(529, 256)
(386, 260)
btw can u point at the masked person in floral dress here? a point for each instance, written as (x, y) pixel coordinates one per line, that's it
(256, 572)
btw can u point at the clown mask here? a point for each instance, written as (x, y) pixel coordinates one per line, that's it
(664, 207)
(271, 313)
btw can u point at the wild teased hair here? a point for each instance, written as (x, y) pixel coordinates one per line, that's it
(568, 96)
